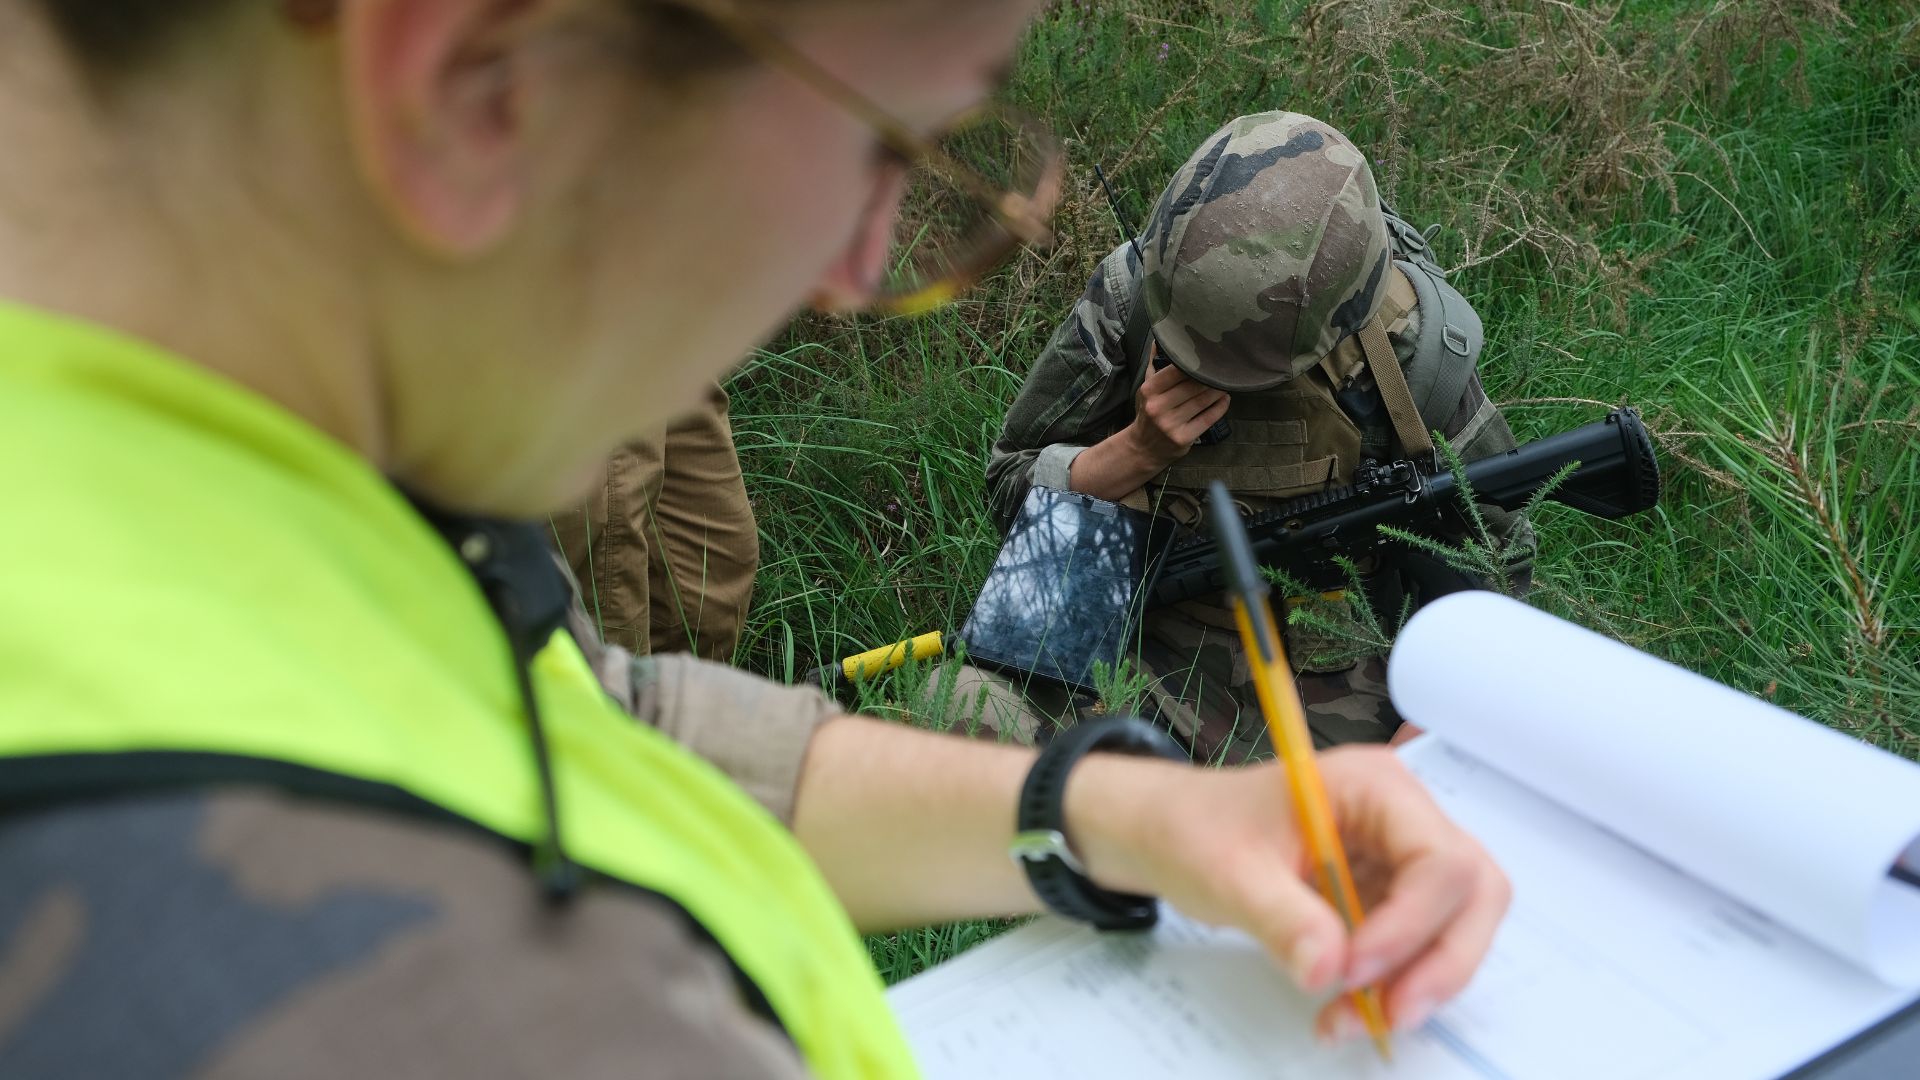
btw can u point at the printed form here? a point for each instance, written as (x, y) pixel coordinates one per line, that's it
(1612, 965)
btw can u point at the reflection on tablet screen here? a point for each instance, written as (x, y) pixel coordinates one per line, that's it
(1063, 590)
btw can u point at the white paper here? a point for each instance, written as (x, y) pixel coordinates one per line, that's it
(1792, 817)
(1611, 966)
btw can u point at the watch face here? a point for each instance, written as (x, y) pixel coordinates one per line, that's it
(1066, 591)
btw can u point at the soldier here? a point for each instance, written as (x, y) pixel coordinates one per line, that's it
(1273, 292)
(665, 547)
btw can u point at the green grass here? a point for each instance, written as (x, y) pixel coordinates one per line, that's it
(1733, 247)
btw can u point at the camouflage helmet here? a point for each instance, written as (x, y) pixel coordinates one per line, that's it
(1266, 250)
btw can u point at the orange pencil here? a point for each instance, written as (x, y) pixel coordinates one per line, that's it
(1287, 724)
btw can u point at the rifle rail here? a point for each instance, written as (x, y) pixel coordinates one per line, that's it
(1618, 474)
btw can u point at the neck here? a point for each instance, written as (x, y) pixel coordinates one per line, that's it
(114, 209)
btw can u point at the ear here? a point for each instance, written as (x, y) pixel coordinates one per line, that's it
(434, 104)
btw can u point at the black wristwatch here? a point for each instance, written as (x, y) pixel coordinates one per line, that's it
(1041, 845)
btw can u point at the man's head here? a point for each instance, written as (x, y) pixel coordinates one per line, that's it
(481, 241)
(1266, 250)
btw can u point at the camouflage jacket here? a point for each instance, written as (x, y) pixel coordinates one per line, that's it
(1081, 390)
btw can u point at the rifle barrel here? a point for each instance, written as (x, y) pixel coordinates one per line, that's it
(1618, 475)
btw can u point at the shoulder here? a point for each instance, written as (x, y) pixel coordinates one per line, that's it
(255, 933)
(1115, 283)
(1100, 317)
(1093, 333)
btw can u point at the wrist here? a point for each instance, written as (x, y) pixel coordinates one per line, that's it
(1111, 468)
(1110, 818)
(1116, 465)
(1072, 845)
(1144, 451)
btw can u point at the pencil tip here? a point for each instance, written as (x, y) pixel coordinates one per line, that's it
(1384, 1045)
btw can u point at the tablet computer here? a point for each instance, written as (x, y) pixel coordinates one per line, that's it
(1067, 588)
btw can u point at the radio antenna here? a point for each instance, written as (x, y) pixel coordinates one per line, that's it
(1113, 203)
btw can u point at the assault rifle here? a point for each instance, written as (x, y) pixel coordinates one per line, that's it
(1067, 590)
(1617, 476)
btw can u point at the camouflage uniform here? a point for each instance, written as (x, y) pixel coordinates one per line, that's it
(1265, 256)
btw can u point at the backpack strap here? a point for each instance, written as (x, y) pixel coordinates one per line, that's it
(1410, 244)
(1392, 381)
(1448, 345)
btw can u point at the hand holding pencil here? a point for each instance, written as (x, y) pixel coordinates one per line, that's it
(1249, 847)
(1286, 718)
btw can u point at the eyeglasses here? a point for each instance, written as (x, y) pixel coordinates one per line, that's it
(974, 196)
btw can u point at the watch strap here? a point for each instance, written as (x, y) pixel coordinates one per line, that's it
(1041, 845)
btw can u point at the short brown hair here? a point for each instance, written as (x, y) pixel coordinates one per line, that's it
(113, 35)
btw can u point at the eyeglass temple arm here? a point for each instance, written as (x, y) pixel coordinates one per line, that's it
(897, 136)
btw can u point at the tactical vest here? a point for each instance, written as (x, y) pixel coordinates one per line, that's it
(1298, 438)
(201, 590)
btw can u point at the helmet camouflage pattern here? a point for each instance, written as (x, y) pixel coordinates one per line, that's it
(1266, 250)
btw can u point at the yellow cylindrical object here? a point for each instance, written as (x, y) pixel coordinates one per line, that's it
(1332, 596)
(879, 661)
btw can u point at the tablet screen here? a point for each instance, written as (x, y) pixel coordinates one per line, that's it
(1064, 591)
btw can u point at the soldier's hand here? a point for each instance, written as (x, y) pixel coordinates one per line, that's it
(1223, 846)
(1171, 412)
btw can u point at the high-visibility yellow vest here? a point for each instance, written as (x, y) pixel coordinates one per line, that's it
(185, 567)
